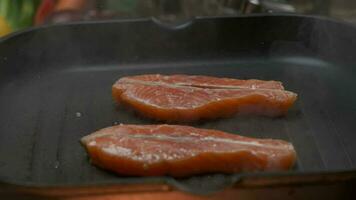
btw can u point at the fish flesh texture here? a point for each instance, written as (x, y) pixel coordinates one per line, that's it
(178, 151)
(186, 98)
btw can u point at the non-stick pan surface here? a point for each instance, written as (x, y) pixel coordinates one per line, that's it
(55, 87)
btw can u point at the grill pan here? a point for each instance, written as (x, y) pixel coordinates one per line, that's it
(55, 87)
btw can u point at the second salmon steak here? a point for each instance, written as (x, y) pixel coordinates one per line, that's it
(155, 150)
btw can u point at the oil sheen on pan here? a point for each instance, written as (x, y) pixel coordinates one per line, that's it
(185, 98)
(178, 151)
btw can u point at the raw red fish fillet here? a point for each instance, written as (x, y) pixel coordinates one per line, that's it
(154, 150)
(188, 98)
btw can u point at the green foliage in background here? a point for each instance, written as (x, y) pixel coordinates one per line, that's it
(17, 14)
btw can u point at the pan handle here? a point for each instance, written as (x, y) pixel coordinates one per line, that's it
(253, 6)
(170, 14)
(172, 25)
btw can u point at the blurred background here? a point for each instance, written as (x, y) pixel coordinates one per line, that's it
(19, 14)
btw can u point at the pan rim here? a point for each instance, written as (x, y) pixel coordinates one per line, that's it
(152, 20)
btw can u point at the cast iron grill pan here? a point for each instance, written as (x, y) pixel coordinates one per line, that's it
(55, 87)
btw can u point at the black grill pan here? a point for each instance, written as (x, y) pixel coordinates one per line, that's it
(55, 87)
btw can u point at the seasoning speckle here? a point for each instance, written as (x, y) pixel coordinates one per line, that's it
(56, 164)
(78, 114)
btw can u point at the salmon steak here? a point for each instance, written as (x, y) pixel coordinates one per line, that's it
(185, 98)
(178, 151)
